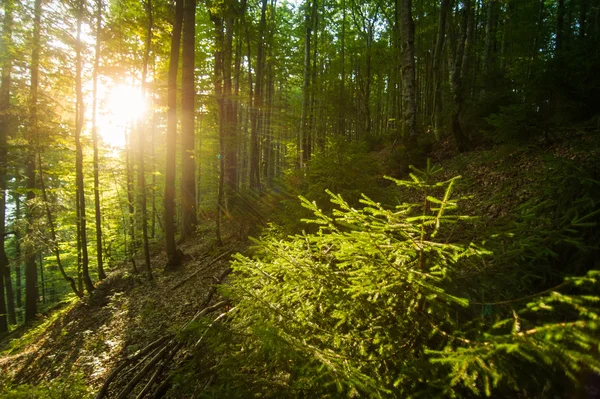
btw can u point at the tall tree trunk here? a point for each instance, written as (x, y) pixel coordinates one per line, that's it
(305, 127)
(342, 108)
(409, 115)
(490, 34)
(188, 91)
(17, 199)
(5, 125)
(456, 82)
(560, 25)
(218, 82)
(437, 67)
(141, 140)
(79, 154)
(258, 103)
(130, 196)
(98, 215)
(30, 268)
(173, 258)
(230, 117)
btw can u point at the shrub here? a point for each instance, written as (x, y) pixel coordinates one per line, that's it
(367, 305)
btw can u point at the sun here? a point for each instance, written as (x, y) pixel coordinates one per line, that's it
(121, 106)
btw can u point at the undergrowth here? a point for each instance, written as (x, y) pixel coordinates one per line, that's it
(399, 302)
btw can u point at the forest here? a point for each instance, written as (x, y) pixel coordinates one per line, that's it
(299, 199)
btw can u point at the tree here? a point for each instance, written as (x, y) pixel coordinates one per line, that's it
(188, 91)
(6, 65)
(173, 258)
(79, 120)
(97, 213)
(141, 141)
(409, 95)
(31, 295)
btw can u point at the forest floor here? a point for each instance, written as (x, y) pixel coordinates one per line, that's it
(127, 312)
(86, 339)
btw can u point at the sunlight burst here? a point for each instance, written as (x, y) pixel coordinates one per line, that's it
(122, 105)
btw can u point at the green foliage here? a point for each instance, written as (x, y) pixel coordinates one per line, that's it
(344, 168)
(374, 303)
(71, 387)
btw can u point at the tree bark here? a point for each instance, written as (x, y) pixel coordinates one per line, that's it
(19, 299)
(305, 128)
(30, 267)
(456, 81)
(560, 25)
(437, 67)
(173, 258)
(409, 96)
(130, 196)
(188, 91)
(5, 125)
(257, 119)
(141, 140)
(98, 214)
(79, 154)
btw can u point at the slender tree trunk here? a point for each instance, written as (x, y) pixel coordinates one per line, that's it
(98, 215)
(5, 125)
(342, 109)
(17, 199)
(31, 297)
(437, 67)
(79, 154)
(53, 236)
(130, 196)
(490, 35)
(305, 127)
(141, 140)
(229, 119)
(173, 258)
(42, 279)
(258, 103)
(456, 82)
(407, 27)
(560, 25)
(218, 82)
(188, 91)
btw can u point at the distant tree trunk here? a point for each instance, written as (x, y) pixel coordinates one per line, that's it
(342, 109)
(173, 258)
(560, 25)
(188, 91)
(490, 34)
(53, 236)
(17, 199)
(30, 268)
(409, 96)
(5, 124)
(141, 141)
(456, 82)
(257, 119)
(229, 119)
(437, 67)
(101, 273)
(79, 154)
(130, 197)
(218, 82)
(304, 145)
(42, 279)
(583, 9)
